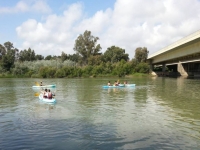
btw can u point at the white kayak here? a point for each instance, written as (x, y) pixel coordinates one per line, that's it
(45, 86)
(53, 100)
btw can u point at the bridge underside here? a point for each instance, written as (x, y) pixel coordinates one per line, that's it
(180, 60)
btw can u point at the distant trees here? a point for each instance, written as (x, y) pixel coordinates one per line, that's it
(48, 57)
(39, 57)
(27, 55)
(8, 55)
(141, 54)
(87, 61)
(139, 62)
(115, 54)
(86, 46)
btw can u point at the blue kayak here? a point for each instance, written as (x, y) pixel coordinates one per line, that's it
(128, 85)
(47, 100)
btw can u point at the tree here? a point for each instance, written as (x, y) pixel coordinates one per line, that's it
(49, 57)
(141, 54)
(95, 60)
(2, 51)
(64, 56)
(74, 57)
(86, 46)
(115, 54)
(9, 58)
(27, 55)
(39, 57)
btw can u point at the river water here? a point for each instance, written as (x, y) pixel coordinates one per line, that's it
(158, 113)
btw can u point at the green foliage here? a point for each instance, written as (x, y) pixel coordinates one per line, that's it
(95, 60)
(69, 63)
(87, 70)
(141, 54)
(8, 58)
(19, 70)
(49, 57)
(115, 54)
(51, 72)
(86, 46)
(60, 73)
(43, 72)
(64, 56)
(74, 57)
(39, 57)
(142, 68)
(2, 51)
(121, 69)
(86, 62)
(97, 70)
(27, 55)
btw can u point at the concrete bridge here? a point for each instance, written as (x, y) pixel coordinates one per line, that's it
(181, 57)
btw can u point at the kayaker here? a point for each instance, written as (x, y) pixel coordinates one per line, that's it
(45, 94)
(109, 83)
(115, 84)
(49, 94)
(125, 82)
(118, 82)
(41, 83)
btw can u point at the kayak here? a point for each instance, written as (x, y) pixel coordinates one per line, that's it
(53, 100)
(44, 86)
(119, 86)
(128, 85)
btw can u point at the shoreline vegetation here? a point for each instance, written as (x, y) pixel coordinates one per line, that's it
(135, 75)
(87, 61)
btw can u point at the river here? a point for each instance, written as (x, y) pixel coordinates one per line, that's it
(158, 113)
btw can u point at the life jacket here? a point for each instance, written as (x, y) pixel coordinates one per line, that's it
(45, 95)
(50, 95)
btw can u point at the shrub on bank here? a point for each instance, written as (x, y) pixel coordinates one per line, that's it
(57, 69)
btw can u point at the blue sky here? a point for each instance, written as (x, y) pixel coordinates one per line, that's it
(50, 27)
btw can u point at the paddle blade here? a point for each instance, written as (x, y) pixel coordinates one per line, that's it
(36, 94)
(36, 83)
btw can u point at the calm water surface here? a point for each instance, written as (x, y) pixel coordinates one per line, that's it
(159, 113)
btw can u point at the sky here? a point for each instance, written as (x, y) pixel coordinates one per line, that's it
(51, 27)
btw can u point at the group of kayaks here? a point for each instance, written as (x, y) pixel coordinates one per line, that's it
(47, 100)
(118, 86)
(53, 100)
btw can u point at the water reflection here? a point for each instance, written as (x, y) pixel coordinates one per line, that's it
(180, 99)
(159, 113)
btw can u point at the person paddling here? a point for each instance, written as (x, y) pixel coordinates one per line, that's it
(45, 94)
(49, 94)
(115, 84)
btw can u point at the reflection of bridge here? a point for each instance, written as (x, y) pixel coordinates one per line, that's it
(181, 57)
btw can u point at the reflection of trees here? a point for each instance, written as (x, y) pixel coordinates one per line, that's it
(87, 92)
(8, 93)
(141, 95)
(179, 94)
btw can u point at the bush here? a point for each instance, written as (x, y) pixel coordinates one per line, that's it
(142, 68)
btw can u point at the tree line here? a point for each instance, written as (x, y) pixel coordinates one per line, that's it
(88, 60)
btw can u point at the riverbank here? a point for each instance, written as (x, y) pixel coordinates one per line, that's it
(94, 76)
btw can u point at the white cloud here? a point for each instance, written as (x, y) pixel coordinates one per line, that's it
(38, 6)
(153, 24)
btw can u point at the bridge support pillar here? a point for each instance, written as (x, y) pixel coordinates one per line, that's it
(181, 69)
(163, 67)
(151, 67)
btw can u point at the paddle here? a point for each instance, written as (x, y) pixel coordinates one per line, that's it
(36, 94)
(37, 84)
